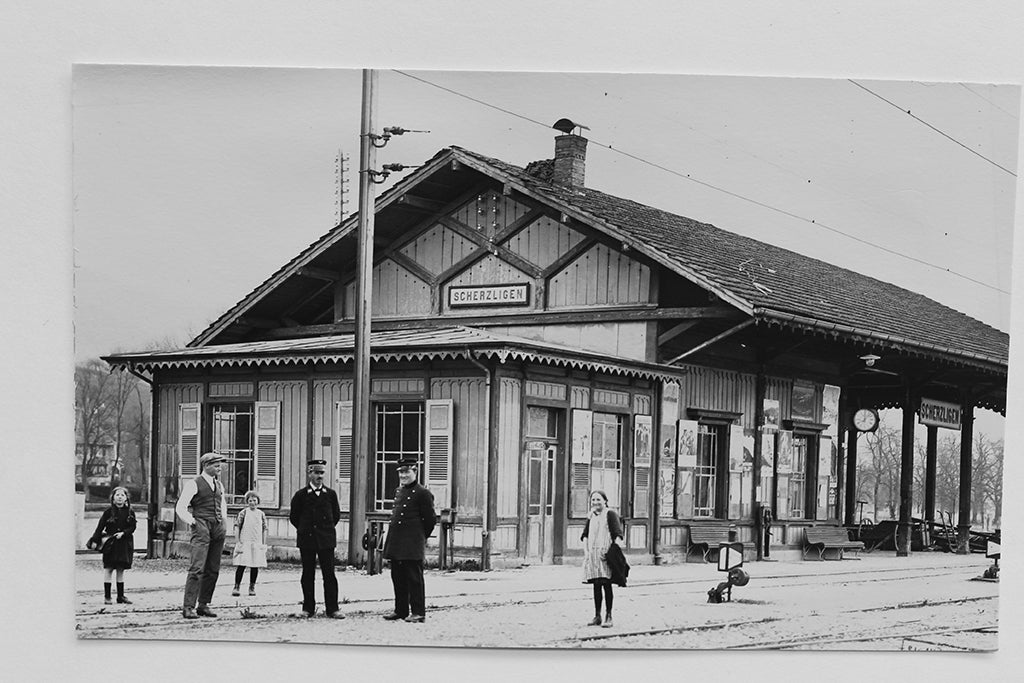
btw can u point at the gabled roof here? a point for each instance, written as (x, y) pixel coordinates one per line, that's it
(769, 283)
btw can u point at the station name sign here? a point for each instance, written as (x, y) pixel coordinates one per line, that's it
(490, 295)
(939, 414)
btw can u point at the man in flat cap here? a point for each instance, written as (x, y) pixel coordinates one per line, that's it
(203, 507)
(314, 514)
(412, 521)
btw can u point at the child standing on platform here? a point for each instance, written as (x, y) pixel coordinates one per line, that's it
(250, 542)
(113, 536)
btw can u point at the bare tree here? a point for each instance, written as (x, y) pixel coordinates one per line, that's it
(93, 412)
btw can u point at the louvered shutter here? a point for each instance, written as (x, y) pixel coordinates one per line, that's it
(685, 465)
(268, 452)
(783, 470)
(343, 451)
(582, 453)
(824, 472)
(440, 431)
(188, 439)
(642, 436)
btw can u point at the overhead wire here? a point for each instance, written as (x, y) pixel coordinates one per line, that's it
(714, 187)
(925, 123)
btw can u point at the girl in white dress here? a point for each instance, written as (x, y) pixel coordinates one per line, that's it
(250, 542)
(604, 527)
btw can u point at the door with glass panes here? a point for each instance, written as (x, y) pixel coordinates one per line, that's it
(543, 452)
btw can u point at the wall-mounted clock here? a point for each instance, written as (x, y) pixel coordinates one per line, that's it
(865, 420)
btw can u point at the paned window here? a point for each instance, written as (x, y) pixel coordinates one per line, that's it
(799, 477)
(399, 436)
(232, 437)
(710, 442)
(606, 459)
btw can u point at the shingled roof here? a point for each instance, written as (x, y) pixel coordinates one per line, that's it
(770, 282)
(764, 281)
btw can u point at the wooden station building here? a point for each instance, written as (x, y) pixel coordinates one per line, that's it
(534, 339)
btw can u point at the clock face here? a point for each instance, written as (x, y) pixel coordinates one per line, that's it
(865, 419)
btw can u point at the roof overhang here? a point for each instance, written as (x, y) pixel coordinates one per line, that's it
(959, 356)
(445, 343)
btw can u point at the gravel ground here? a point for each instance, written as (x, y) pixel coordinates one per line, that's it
(925, 602)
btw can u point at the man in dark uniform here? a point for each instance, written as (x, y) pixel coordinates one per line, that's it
(412, 521)
(314, 514)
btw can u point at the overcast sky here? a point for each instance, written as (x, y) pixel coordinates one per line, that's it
(193, 185)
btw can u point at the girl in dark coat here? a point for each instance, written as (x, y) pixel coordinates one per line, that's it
(114, 538)
(604, 528)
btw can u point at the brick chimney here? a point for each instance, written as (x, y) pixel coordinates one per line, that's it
(570, 160)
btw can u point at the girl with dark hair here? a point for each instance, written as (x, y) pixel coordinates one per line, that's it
(604, 527)
(113, 536)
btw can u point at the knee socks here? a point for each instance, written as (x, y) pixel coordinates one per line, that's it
(240, 572)
(597, 599)
(607, 599)
(106, 590)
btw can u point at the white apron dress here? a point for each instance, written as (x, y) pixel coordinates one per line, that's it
(250, 540)
(595, 545)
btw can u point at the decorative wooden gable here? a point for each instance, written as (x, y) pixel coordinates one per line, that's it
(397, 292)
(544, 241)
(490, 213)
(496, 254)
(600, 277)
(439, 248)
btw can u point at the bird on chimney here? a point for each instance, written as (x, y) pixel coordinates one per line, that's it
(566, 126)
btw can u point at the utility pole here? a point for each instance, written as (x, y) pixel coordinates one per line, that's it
(364, 310)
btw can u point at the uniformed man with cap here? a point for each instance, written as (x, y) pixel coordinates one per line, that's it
(314, 514)
(412, 521)
(204, 508)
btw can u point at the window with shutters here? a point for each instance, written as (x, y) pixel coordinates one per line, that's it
(399, 436)
(232, 431)
(606, 456)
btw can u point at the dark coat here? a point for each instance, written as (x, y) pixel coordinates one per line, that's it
(616, 560)
(117, 552)
(314, 518)
(412, 522)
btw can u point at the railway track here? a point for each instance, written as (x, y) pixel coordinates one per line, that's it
(501, 600)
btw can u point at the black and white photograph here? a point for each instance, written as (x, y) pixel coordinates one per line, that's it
(511, 341)
(310, 441)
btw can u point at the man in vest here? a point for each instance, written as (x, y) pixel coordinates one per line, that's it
(314, 514)
(412, 521)
(203, 507)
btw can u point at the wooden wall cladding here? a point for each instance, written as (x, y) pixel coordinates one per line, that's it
(469, 395)
(326, 393)
(490, 212)
(601, 276)
(543, 241)
(509, 443)
(396, 293)
(438, 249)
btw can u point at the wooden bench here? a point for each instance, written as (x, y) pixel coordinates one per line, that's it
(706, 537)
(824, 538)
